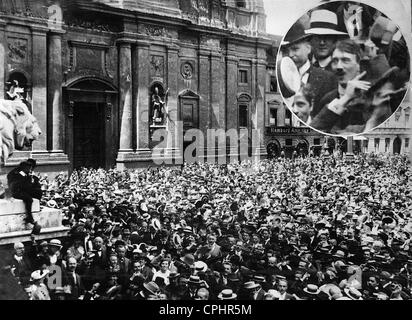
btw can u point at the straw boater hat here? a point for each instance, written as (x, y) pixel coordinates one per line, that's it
(324, 22)
(227, 294)
(311, 289)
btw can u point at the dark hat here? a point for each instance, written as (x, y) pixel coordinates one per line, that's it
(188, 259)
(173, 275)
(295, 34)
(378, 71)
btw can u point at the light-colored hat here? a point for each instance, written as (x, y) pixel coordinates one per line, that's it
(353, 293)
(156, 224)
(201, 266)
(324, 22)
(227, 294)
(38, 274)
(55, 242)
(311, 289)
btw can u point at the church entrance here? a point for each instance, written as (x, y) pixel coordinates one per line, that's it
(88, 135)
(91, 124)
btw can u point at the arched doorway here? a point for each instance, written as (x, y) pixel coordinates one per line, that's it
(273, 149)
(91, 130)
(302, 148)
(397, 144)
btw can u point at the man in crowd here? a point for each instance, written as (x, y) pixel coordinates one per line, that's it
(325, 34)
(297, 46)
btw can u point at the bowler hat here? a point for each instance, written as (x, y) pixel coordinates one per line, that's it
(295, 34)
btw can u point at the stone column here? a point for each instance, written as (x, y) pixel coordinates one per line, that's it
(231, 98)
(175, 140)
(2, 56)
(349, 152)
(259, 149)
(125, 107)
(142, 96)
(54, 91)
(39, 91)
(205, 112)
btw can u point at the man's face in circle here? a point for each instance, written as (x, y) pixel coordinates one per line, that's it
(301, 107)
(299, 52)
(323, 46)
(345, 66)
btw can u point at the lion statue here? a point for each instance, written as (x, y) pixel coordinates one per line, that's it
(18, 127)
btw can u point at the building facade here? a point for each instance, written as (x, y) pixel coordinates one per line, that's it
(103, 76)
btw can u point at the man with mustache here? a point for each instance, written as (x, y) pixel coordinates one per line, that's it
(362, 100)
(335, 115)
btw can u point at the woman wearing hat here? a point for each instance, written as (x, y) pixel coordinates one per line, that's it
(38, 290)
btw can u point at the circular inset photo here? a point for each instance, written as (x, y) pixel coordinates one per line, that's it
(343, 68)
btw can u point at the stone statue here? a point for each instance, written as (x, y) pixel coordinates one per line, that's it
(158, 106)
(18, 127)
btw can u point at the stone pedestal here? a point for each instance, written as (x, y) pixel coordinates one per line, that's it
(13, 228)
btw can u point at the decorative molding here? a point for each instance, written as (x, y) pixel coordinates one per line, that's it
(156, 31)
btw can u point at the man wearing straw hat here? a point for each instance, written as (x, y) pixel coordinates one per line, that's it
(324, 34)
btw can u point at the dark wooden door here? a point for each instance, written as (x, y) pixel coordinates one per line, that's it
(88, 135)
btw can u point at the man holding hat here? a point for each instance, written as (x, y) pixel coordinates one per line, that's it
(296, 45)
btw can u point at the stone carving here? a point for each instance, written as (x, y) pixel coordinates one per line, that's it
(157, 66)
(18, 127)
(95, 25)
(17, 50)
(186, 70)
(156, 31)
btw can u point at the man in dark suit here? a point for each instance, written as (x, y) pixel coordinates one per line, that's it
(19, 264)
(297, 46)
(100, 251)
(73, 280)
(22, 187)
(362, 100)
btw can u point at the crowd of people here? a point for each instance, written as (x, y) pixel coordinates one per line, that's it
(344, 68)
(314, 228)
